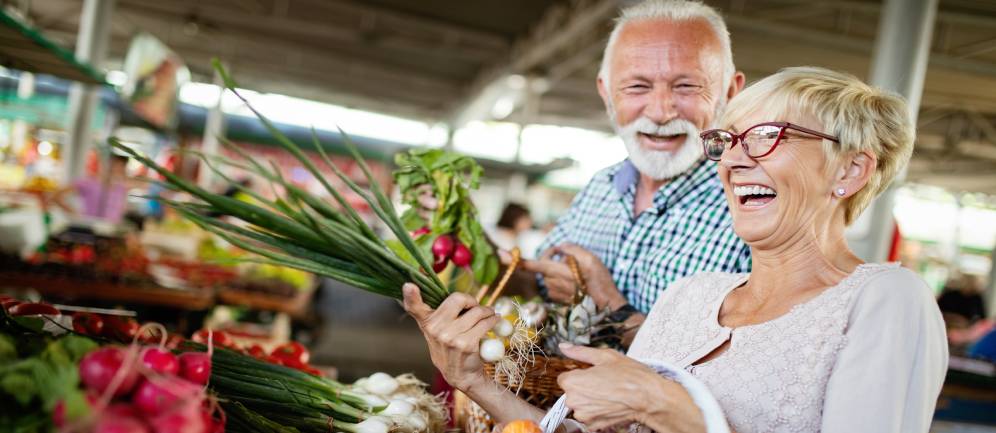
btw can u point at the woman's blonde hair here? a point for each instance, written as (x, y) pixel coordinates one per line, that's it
(863, 117)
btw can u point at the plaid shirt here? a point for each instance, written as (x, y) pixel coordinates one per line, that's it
(687, 230)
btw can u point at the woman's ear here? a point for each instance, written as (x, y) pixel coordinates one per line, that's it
(855, 173)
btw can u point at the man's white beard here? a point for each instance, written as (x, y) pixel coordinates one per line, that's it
(659, 164)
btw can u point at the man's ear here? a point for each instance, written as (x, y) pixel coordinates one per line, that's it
(855, 173)
(736, 85)
(603, 91)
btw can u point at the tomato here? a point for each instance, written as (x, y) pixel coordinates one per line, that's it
(257, 352)
(88, 324)
(123, 329)
(218, 338)
(292, 351)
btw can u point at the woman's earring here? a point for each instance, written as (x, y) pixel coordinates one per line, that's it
(841, 192)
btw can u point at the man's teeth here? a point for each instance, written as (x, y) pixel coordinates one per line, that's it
(740, 191)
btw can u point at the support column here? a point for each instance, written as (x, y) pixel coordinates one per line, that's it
(91, 48)
(902, 49)
(214, 127)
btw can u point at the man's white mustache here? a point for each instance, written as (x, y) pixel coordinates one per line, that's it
(644, 125)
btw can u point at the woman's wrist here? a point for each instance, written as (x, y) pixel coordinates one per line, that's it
(665, 402)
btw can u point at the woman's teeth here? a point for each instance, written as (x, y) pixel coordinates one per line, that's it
(752, 190)
(754, 195)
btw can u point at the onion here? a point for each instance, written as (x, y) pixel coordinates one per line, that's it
(373, 401)
(195, 367)
(160, 360)
(492, 350)
(417, 422)
(504, 328)
(372, 425)
(398, 407)
(504, 306)
(97, 370)
(381, 384)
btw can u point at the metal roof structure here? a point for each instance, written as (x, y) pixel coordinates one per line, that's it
(449, 60)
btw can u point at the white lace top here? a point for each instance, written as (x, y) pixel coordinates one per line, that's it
(867, 355)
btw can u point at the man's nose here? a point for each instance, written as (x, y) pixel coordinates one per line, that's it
(661, 107)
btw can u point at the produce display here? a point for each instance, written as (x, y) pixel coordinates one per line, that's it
(300, 230)
(75, 379)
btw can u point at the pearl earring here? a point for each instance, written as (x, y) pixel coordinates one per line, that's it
(841, 192)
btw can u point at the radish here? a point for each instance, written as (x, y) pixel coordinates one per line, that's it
(442, 247)
(421, 232)
(97, 370)
(195, 367)
(186, 419)
(439, 264)
(160, 360)
(163, 394)
(119, 424)
(462, 257)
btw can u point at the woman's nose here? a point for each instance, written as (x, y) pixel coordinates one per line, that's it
(734, 158)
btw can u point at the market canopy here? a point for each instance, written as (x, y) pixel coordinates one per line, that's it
(25, 48)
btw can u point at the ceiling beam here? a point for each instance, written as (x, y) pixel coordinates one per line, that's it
(560, 28)
(394, 18)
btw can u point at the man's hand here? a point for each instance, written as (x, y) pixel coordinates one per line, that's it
(453, 332)
(617, 389)
(559, 279)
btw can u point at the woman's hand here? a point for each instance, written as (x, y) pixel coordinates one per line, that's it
(453, 334)
(618, 389)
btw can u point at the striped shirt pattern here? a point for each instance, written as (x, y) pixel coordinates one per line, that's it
(687, 230)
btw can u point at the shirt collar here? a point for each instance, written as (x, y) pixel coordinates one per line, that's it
(627, 176)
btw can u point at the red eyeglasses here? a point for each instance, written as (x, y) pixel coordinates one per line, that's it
(757, 141)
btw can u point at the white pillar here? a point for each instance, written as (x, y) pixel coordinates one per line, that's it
(902, 49)
(91, 48)
(214, 127)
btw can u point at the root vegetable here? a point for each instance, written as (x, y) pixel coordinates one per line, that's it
(98, 368)
(504, 328)
(442, 247)
(381, 384)
(462, 256)
(195, 367)
(160, 360)
(492, 350)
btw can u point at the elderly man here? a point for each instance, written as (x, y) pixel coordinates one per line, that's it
(659, 215)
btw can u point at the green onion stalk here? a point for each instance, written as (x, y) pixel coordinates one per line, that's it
(261, 397)
(300, 230)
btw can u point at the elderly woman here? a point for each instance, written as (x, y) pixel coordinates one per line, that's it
(813, 339)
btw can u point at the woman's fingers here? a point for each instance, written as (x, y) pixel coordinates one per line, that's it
(413, 303)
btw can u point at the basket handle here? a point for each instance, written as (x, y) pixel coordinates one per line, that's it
(711, 411)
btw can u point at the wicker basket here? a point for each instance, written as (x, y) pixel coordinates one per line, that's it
(539, 387)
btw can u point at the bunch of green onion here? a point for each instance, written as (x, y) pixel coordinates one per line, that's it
(302, 231)
(261, 397)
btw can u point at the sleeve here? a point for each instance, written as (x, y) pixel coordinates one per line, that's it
(889, 373)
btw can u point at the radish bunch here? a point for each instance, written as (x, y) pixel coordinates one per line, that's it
(146, 389)
(447, 248)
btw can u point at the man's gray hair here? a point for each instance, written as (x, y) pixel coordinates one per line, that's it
(672, 10)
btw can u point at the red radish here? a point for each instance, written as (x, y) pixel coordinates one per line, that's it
(123, 329)
(442, 247)
(185, 419)
(59, 414)
(462, 257)
(163, 394)
(256, 351)
(33, 308)
(98, 368)
(421, 232)
(195, 367)
(218, 338)
(160, 360)
(211, 424)
(9, 303)
(119, 424)
(439, 264)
